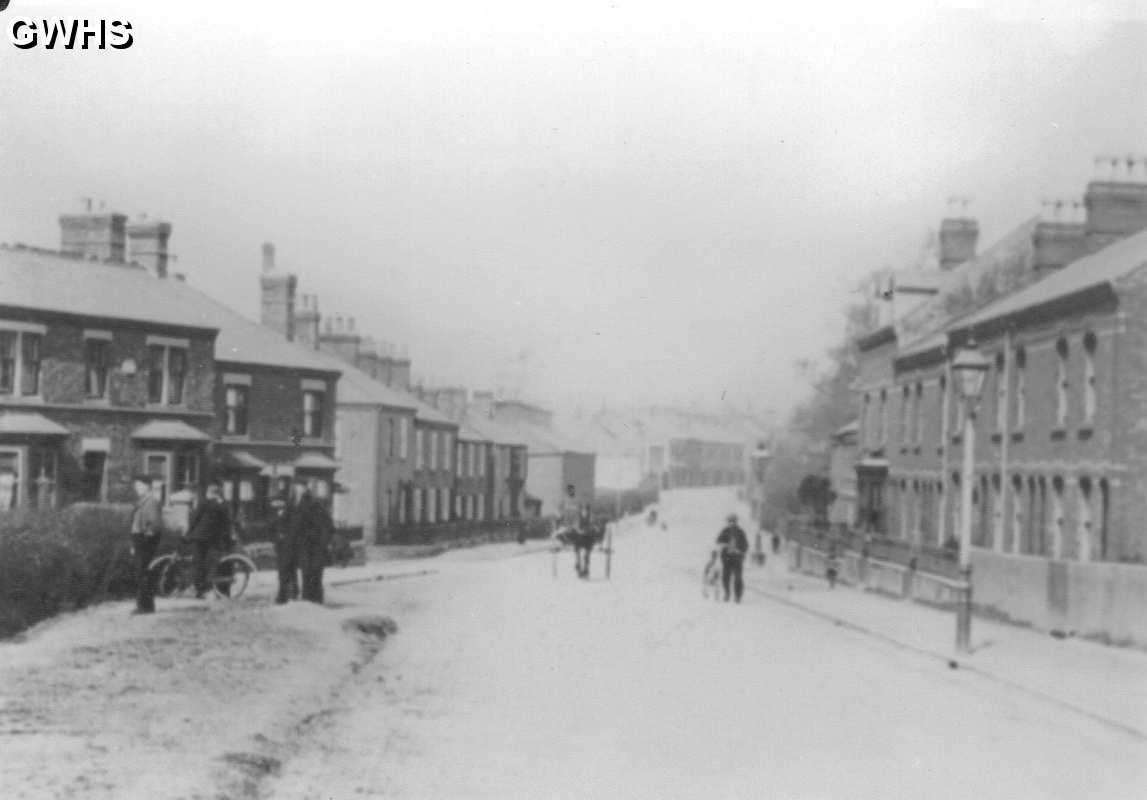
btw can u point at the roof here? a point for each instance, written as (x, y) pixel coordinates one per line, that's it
(170, 430)
(424, 412)
(1005, 265)
(845, 430)
(29, 424)
(241, 459)
(356, 387)
(493, 431)
(1102, 268)
(47, 281)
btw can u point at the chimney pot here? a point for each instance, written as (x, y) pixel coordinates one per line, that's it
(268, 257)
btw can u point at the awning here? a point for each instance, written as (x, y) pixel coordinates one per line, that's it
(873, 465)
(29, 424)
(315, 461)
(170, 430)
(242, 460)
(278, 471)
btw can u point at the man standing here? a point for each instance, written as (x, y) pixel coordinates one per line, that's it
(146, 525)
(313, 529)
(286, 550)
(209, 531)
(734, 545)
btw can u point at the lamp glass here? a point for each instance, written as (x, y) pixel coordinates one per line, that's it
(971, 367)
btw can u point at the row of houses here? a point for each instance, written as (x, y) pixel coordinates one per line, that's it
(112, 365)
(1059, 307)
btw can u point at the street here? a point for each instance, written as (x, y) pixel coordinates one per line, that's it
(504, 681)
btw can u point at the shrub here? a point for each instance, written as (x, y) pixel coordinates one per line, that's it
(55, 561)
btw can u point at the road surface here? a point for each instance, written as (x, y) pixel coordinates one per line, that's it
(505, 682)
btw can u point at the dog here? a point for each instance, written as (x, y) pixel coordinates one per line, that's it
(711, 577)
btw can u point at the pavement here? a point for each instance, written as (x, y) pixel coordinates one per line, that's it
(1105, 683)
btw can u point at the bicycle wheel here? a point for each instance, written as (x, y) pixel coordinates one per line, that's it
(232, 575)
(173, 578)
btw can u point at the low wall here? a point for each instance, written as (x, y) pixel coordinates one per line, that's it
(1102, 601)
(1098, 600)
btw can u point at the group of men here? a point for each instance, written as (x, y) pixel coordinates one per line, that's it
(301, 528)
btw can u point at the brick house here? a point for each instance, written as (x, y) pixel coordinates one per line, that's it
(173, 384)
(503, 479)
(103, 374)
(1060, 477)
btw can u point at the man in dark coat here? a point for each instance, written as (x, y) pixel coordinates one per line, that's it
(210, 531)
(146, 527)
(734, 545)
(286, 550)
(312, 528)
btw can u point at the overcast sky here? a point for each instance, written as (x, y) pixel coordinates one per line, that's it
(650, 201)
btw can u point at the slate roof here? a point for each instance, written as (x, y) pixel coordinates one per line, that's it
(356, 387)
(1009, 256)
(47, 281)
(489, 430)
(1102, 268)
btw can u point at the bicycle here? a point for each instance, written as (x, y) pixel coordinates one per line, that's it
(174, 573)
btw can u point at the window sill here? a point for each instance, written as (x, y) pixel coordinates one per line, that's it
(97, 401)
(235, 437)
(18, 399)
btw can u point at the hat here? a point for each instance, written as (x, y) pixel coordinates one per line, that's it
(731, 518)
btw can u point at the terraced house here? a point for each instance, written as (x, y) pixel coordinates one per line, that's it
(109, 368)
(1060, 486)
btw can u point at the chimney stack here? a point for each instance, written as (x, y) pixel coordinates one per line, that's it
(307, 319)
(1059, 237)
(100, 235)
(278, 296)
(958, 234)
(341, 342)
(1116, 201)
(147, 244)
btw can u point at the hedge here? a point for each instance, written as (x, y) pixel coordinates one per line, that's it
(56, 561)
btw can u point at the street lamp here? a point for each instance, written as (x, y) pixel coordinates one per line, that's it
(969, 368)
(759, 464)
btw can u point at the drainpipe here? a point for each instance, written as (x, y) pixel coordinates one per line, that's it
(1004, 499)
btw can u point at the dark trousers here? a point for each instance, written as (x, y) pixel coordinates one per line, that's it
(145, 547)
(312, 559)
(201, 553)
(732, 569)
(288, 563)
(583, 546)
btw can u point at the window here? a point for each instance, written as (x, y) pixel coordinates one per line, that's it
(481, 510)
(419, 435)
(9, 479)
(1101, 517)
(1061, 383)
(1056, 529)
(997, 512)
(167, 373)
(444, 505)
(459, 449)
(235, 410)
(1001, 392)
(432, 505)
(96, 357)
(905, 414)
(41, 478)
(403, 437)
(1084, 529)
(434, 436)
(313, 414)
(158, 466)
(1017, 514)
(92, 483)
(20, 362)
(918, 414)
(186, 475)
(882, 420)
(391, 433)
(447, 451)
(865, 421)
(1021, 363)
(942, 402)
(1089, 395)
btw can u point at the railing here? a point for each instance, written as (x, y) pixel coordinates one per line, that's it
(926, 559)
(474, 532)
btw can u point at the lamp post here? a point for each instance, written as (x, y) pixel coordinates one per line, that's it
(969, 368)
(759, 464)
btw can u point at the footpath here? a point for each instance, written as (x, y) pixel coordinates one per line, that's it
(1106, 684)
